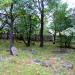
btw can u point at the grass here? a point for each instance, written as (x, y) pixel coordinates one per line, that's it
(16, 65)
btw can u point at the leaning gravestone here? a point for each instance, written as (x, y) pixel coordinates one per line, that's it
(14, 51)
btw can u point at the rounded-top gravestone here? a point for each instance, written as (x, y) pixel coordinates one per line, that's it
(14, 51)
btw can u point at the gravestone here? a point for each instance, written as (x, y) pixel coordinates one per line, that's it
(1, 58)
(68, 65)
(26, 49)
(14, 51)
(37, 61)
(4, 36)
(46, 64)
(33, 51)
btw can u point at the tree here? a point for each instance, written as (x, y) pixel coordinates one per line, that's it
(10, 15)
(26, 25)
(42, 23)
(61, 20)
(42, 6)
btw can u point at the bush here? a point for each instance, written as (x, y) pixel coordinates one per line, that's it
(65, 41)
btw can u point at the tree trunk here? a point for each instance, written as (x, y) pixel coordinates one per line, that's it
(11, 35)
(54, 37)
(29, 35)
(42, 24)
(60, 39)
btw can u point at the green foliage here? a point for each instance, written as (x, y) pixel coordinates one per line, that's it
(61, 22)
(53, 4)
(4, 3)
(64, 40)
(22, 9)
(61, 18)
(23, 24)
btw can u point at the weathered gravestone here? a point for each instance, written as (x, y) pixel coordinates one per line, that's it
(46, 64)
(1, 58)
(33, 51)
(68, 65)
(4, 36)
(14, 51)
(37, 61)
(26, 49)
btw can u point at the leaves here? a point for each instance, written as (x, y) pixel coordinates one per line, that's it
(61, 20)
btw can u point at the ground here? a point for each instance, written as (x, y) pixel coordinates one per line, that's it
(24, 64)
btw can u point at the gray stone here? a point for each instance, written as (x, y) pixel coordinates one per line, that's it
(37, 61)
(14, 51)
(68, 65)
(26, 49)
(33, 51)
(1, 58)
(46, 64)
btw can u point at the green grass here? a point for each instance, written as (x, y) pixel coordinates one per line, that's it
(16, 65)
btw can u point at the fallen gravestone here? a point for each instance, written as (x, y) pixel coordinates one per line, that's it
(14, 51)
(26, 49)
(2, 58)
(42, 63)
(68, 65)
(37, 61)
(46, 64)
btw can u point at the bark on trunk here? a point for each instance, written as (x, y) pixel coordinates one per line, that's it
(29, 35)
(54, 37)
(11, 35)
(42, 24)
